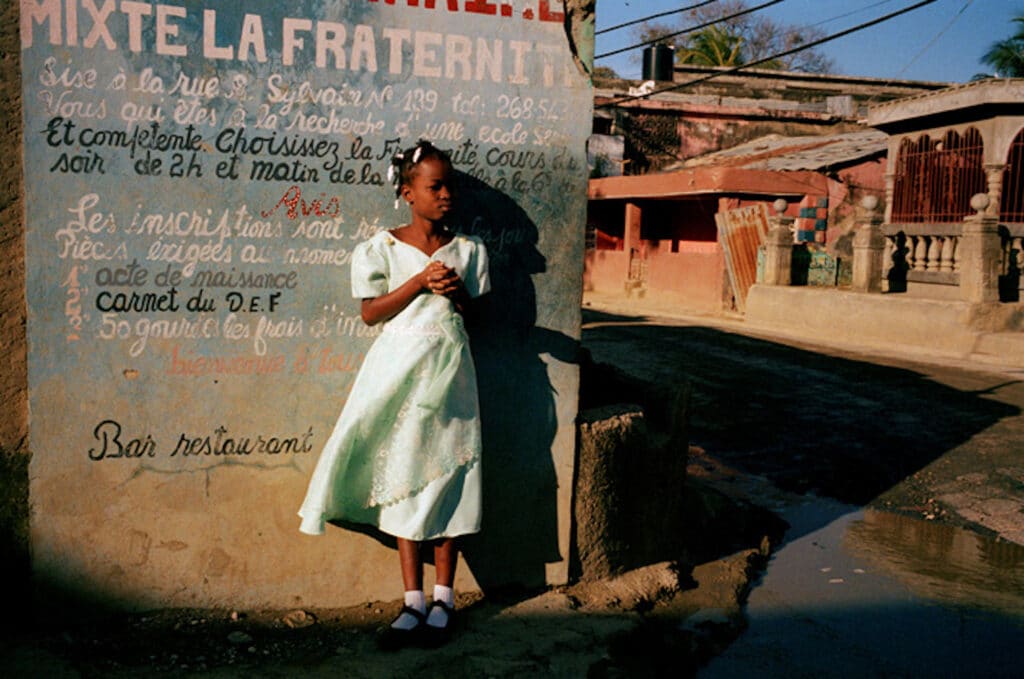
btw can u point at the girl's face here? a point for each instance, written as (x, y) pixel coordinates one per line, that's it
(430, 193)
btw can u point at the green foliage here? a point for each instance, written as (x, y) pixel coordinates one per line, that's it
(1006, 56)
(713, 46)
(605, 72)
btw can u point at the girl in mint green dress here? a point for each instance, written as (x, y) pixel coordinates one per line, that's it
(405, 453)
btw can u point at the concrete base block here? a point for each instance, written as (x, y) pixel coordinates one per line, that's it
(629, 499)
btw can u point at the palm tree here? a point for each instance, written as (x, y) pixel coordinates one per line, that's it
(1007, 56)
(740, 40)
(713, 46)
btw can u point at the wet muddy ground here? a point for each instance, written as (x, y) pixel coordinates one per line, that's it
(902, 481)
(642, 624)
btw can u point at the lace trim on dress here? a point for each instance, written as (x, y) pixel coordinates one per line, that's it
(400, 470)
(383, 494)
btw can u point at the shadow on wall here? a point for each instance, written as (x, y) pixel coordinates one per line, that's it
(517, 400)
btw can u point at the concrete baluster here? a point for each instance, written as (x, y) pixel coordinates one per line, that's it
(920, 253)
(890, 192)
(887, 259)
(934, 253)
(946, 257)
(778, 259)
(981, 249)
(871, 250)
(994, 178)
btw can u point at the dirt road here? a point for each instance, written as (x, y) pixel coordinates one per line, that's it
(941, 442)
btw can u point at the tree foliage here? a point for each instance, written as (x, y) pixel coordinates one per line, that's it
(740, 40)
(1006, 56)
(605, 72)
(713, 46)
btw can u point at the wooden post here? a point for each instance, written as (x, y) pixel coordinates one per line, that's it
(634, 249)
(631, 231)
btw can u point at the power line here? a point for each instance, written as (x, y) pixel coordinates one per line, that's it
(851, 12)
(786, 53)
(928, 46)
(688, 30)
(654, 16)
(938, 35)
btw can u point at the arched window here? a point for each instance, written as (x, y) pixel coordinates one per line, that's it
(1011, 206)
(935, 179)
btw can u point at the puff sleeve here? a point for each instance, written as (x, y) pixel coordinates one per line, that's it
(369, 270)
(478, 277)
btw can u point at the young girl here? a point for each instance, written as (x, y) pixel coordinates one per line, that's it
(405, 453)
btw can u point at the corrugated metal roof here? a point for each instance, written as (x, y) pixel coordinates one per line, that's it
(775, 152)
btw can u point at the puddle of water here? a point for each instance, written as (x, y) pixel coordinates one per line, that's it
(943, 563)
(856, 593)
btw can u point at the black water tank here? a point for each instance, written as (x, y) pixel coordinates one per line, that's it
(659, 62)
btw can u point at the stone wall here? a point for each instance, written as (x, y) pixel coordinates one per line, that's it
(14, 548)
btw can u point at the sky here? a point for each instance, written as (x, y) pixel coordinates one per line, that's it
(942, 42)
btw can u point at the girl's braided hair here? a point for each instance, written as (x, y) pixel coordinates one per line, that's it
(403, 164)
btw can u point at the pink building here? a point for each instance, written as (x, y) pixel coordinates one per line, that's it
(730, 142)
(656, 235)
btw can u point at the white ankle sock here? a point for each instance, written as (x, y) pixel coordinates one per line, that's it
(416, 600)
(438, 617)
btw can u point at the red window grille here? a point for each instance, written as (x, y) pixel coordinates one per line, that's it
(1011, 206)
(935, 179)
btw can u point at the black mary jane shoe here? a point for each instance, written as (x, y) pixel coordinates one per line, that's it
(434, 636)
(392, 638)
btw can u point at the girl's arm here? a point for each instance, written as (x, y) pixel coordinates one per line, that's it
(377, 309)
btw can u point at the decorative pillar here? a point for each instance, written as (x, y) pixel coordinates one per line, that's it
(979, 253)
(868, 248)
(994, 177)
(778, 260)
(890, 193)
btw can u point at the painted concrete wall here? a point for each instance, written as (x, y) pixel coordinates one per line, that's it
(694, 277)
(844, 195)
(606, 270)
(197, 175)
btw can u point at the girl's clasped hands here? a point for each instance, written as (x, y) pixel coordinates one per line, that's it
(441, 279)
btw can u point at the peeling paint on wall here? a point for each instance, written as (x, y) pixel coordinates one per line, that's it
(196, 179)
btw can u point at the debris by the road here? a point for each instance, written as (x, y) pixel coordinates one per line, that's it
(239, 637)
(298, 619)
